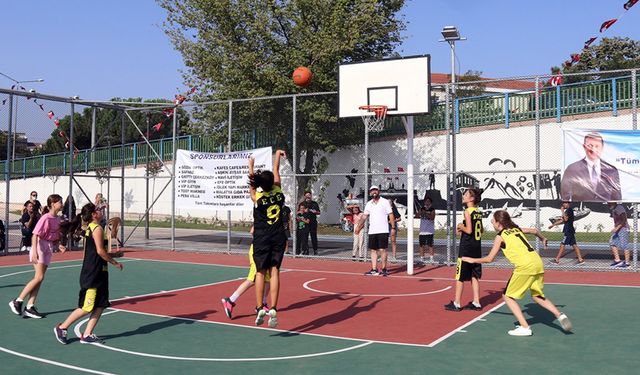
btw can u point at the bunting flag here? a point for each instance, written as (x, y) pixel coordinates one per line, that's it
(400, 169)
(588, 42)
(575, 57)
(629, 4)
(50, 114)
(607, 24)
(168, 112)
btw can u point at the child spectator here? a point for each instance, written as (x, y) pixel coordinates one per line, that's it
(46, 236)
(303, 219)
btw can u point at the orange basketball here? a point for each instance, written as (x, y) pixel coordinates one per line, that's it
(302, 76)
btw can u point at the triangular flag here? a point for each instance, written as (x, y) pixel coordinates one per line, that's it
(588, 42)
(607, 24)
(629, 4)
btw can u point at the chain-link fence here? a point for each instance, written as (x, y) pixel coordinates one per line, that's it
(506, 138)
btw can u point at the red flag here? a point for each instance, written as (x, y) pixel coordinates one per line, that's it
(57, 122)
(588, 42)
(193, 89)
(575, 57)
(61, 133)
(157, 126)
(556, 80)
(400, 169)
(168, 112)
(387, 170)
(567, 64)
(50, 114)
(629, 4)
(607, 24)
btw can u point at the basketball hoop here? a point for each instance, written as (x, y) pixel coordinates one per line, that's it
(373, 116)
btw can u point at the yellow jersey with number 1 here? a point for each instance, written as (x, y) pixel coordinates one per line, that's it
(520, 253)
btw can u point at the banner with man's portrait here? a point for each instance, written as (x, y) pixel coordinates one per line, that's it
(601, 165)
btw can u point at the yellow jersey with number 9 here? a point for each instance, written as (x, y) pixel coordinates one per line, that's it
(520, 252)
(266, 212)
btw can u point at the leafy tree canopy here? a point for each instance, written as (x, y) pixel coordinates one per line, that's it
(249, 48)
(610, 54)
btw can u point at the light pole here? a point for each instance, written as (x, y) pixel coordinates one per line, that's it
(451, 35)
(15, 121)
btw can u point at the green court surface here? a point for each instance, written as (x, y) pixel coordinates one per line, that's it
(604, 339)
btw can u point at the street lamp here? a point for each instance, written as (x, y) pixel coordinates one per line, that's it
(451, 35)
(15, 121)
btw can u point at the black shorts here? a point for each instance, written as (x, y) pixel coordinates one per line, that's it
(569, 239)
(466, 271)
(425, 239)
(287, 233)
(90, 298)
(268, 251)
(378, 241)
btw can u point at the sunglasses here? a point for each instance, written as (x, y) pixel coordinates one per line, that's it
(34, 195)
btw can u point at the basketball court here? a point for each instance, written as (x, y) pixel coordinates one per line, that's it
(166, 316)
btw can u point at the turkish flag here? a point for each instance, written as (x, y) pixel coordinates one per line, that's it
(400, 169)
(556, 80)
(607, 24)
(387, 170)
(50, 114)
(629, 4)
(588, 42)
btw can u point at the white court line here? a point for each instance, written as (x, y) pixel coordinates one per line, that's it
(55, 363)
(76, 330)
(48, 268)
(306, 286)
(462, 327)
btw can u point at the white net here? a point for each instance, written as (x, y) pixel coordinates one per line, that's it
(373, 116)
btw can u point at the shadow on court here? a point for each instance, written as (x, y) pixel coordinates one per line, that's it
(149, 328)
(345, 314)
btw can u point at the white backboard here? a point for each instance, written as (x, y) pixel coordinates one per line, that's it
(402, 84)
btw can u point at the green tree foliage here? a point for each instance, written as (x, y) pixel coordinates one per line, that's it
(470, 84)
(609, 54)
(249, 48)
(109, 126)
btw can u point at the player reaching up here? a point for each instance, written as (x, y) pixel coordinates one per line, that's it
(528, 273)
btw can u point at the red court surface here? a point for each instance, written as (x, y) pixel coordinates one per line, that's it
(335, 299)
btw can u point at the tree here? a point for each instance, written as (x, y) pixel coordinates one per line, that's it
(475, 87)
(249, 48)
(609, 54)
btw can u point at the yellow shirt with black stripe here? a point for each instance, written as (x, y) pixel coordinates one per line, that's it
(520, 253)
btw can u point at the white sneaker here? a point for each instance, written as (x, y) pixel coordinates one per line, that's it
(28, 248)
(24, 248)
(565, 323)
(260, 316)
(521, 331)
(273, 320)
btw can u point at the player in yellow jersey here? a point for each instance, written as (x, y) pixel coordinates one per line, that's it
(269, 237)
(528, 273)
(470, 231)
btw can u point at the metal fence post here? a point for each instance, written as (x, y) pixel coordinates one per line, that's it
(558, 103)
(7, 178)
(447, 124)
(537, 127)
(506, 110)
(614, 96)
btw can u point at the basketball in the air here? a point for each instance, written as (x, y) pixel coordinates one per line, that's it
(302, 76)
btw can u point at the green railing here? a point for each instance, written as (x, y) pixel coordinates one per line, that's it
(609, 95)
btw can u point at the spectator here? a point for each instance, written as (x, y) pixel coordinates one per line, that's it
(69, 203)
(102, 205)
(28, 222)
(379, 212)
(358, 238)
(314, 210)
(303, 218)
(568, 231)
(33, 198)
(619, 235)
(427, 217)
(432, 180)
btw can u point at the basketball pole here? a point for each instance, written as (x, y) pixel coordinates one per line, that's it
(408, 125)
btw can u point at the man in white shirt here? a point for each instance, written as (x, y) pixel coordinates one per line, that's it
(380, 214)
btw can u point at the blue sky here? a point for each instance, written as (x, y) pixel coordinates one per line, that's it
(104, 49)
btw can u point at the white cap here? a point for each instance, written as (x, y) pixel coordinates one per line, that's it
(374, 187)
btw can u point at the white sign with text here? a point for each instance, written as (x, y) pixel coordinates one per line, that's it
(217, 181)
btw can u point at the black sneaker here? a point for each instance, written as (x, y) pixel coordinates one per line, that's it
(372, 273)
(384, 272)
(452, 307)
(61, 335)
(16, 307)
(33, 313)
(471, 306)
(91, 339)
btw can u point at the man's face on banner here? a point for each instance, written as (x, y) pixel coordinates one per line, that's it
(592, 148)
